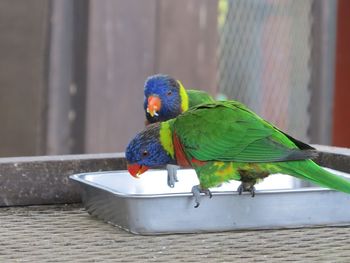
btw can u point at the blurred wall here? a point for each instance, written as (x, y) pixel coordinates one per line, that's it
(130, 40)
(341, 113)
(72, 72)
(23, 40)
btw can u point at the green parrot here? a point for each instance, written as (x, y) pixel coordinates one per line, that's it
(165, 98)
(226, 141)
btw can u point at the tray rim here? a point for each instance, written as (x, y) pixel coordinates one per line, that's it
(78, 178)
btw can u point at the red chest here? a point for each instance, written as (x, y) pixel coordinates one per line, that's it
(180, 155)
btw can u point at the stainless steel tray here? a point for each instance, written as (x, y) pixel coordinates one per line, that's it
(148, 206)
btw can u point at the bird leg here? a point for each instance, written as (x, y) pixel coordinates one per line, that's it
(249, 179)
(246, 187)
(197, 190)
(172, 178)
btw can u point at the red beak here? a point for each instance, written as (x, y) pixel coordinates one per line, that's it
(136, 170)
(154, 104)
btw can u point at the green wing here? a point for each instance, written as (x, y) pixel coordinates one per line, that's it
(229, 131)
(197, 97)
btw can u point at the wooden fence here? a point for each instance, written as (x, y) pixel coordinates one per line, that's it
(73, 71)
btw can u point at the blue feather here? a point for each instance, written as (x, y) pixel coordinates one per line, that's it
(167, 89)
(146, 149)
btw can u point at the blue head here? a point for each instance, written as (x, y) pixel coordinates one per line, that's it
(162, 98)
(146, 150)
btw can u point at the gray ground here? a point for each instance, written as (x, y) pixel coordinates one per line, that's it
(69, 234)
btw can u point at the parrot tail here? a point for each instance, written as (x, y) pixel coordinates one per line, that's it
(311, 171)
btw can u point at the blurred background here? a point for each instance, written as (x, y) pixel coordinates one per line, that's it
(72, 72)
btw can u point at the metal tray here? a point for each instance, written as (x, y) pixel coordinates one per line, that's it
(148, 206)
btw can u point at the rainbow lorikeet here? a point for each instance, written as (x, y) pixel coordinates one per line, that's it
(226, 141)
(165, 98)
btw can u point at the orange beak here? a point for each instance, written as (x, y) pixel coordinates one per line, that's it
(154, 104)
(136, 170)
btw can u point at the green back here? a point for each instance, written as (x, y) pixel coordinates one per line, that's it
(196, 97)
(229, 131)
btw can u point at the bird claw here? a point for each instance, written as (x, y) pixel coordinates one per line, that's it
(172, 177)
(252, 191)
(196, 191)
(242, 188)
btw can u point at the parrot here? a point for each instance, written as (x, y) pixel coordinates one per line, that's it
(224, 141)
(165, 98)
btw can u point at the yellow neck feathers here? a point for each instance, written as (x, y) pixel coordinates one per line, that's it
(166, 138)
(184, 97)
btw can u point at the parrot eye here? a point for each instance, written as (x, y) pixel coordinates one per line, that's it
(169, 93)
(145, 153)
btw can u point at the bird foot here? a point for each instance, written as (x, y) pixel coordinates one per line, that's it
(172, 177)
(246, 188)
(197, 190)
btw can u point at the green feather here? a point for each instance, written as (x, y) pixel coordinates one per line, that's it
(233, 143)
(224, 131)
(311, 171)
(197, 97)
